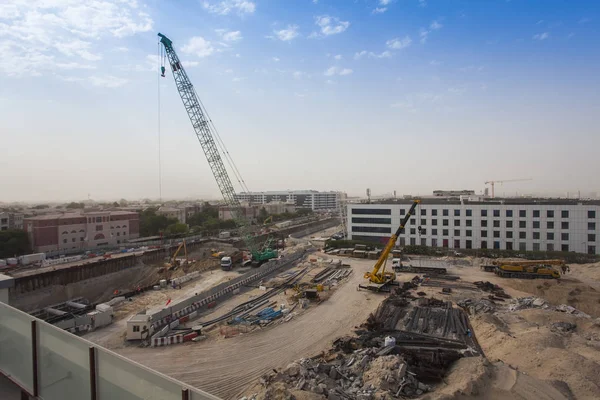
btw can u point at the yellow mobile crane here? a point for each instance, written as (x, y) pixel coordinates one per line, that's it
(379, 279)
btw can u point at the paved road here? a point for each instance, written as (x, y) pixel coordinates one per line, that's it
(225, 367)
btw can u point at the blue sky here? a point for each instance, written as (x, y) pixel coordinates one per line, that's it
(402, 95)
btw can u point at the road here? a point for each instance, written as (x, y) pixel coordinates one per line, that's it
(225, 367)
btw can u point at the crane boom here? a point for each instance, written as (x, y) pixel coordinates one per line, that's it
(202, 127)
(381, 278)
(503, 181)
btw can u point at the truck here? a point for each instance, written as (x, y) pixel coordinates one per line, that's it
(224, 235)
(228, 261)
(539, 271)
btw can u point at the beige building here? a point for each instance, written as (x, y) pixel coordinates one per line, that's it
(278, 207)
(172, 212)
(10, 220)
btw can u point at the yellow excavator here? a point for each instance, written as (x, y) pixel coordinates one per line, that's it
(379, 280)
(174, 263)
(269, 219)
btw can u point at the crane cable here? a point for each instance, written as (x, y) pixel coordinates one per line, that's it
(159, 59)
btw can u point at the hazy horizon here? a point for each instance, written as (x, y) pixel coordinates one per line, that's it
(410, 96)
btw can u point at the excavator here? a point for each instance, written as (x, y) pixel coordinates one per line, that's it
(174, 263)
(379, 280)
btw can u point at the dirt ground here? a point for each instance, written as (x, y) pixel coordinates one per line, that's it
(225, 367)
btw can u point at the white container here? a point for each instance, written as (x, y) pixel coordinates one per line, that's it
(2, 263)
(389, 341)
(163, 283)
(224, 235)
(11, 261)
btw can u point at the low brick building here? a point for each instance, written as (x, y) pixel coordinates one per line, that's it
(81, 230)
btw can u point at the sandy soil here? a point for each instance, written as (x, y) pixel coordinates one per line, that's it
(226, 367)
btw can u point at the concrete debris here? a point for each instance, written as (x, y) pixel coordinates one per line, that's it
(537, 302)
(496, 290)
(563, 327)
(473, 306)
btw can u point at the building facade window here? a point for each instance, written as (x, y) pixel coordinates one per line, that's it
(550, 214)
(522, 224)
(496, 213)
(444, 213)
(509, 213)
(509, 224)
(434, 222)
(445, 222)
(484, 223)
(402, 211)
(445, 232)
(564, 236)
(509, 234)
(423, 211)
(457, 232)
(536, 235)
(469, 233)
(423, 221)
(536, 246)
(457, 222)
(591, 249)
(469, 244)
(413, 221)
(483, 233)
(522, 246)
(564, 247)
(457, 213)
(496, 245)
(469, 222)
(564, 225)
(373, 229)
(591, 226)
(434, 232)
(591, 214)
(536, 213)
(484, 214)
(591, 237)
(484, 244)
(372, 211)
(522, 213)
(434, 213)
(550, 225)
(469, 213)
(496, 223)
(413, 231)
(550, 236)
(496, 234)
(367, 220)
(536, 224)
(522, 235)
(564, 214)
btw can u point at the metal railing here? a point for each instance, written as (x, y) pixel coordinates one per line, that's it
(49, 363)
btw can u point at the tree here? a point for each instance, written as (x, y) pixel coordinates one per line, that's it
(152, 224)
(41, 206)
(177, 229)
(115, 204)
(123, 203)
(13, 242)
(74, 205)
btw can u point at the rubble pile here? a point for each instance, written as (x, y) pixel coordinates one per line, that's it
(497, 293)
(477, 306)
(537, 302)
(563, 327)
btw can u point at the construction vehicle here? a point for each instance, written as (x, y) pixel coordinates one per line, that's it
(229, 261)
(504, 181)
(379, 279)
(533, 269)
(208, 137)
(174, 262)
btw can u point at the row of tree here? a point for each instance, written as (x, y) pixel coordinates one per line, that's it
(13, 242)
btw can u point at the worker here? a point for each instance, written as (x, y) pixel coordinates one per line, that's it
(469, 333)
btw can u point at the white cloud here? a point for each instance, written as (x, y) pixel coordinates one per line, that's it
(276, 59)
(107, 81)
(434, 62)
(237, 79)
(287, 34)
(331, 25)
(315, 1)
(238, 55)
(41, 35)
(471, 68)
(337, 57)
(190, 64)
(299, 74)
(541, 36)
(379, 10)
(398, 43)
(584, 20)
(198, 46)
(122, 49)
(422, 3)
(360, 54)
(229, 36)
(331, 71)
(424, 33)
(225, 7)
(384, 2)
(435, 25)
(385, 54)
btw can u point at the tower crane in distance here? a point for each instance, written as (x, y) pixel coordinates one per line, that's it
(204, 132)
(379, 279)
(504, 181)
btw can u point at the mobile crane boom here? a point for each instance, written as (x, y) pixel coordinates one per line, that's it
(382, 278)
(203, 129)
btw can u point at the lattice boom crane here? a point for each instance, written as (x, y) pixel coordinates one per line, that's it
(204, 131)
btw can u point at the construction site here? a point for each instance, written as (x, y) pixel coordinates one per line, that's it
(284, 315)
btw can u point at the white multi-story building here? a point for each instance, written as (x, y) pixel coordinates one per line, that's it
(312, 199)
(10, 220)
(508, 224)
